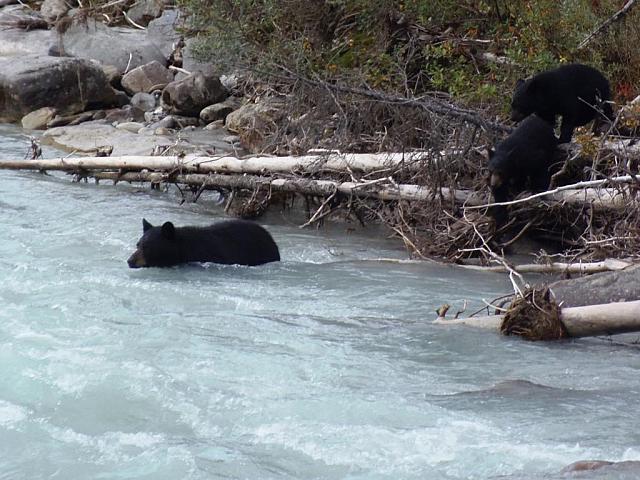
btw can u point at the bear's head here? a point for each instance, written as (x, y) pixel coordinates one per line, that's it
(525, 99)
(157, 247)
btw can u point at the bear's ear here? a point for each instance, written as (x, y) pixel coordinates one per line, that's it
(519, 83)
(168, 230)
(491, 152)
(146, 225)
(531, 86)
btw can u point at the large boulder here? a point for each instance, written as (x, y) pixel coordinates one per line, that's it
(254, 122)
(91, 137)
(145, 10)
(68, 85)
(124, 48)
(191, 94)
(16, 41)
(145, 77)
(162, 31)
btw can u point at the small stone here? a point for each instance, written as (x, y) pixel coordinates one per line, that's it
(215, 125)
(144, 101)
(133, 127)
(217, 111)
(232, 139)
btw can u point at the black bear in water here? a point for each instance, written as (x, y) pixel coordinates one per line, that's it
(578, 93)
(522, 160)
(230, 242)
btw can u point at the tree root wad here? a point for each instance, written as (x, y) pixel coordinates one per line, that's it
(535, 316)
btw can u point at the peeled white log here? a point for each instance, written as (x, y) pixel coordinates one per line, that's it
(359, 162)
(373, 189)
(147, 167)
(608, 265)
(588, 321)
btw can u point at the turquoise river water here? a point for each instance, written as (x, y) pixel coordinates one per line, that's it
(322, 366)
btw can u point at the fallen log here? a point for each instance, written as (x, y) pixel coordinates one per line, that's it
(381, 189)
(608, 265)
(330, 161)
(587, 321)
(201, 171)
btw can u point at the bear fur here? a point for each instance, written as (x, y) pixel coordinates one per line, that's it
(522, 161)
(229, 242)
(578, 93)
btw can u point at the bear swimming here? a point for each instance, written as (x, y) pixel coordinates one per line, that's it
(574, 92)
(522, 160)
(229, 242)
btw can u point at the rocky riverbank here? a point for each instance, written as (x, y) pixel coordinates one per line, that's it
(96, 89)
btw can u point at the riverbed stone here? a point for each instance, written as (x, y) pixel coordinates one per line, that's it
(67, 84)
(217, 111)
(124, 48)
(53, 10)
(38, 119)
(89, 137)
(145, 101)
(133, 127)
(144, 11)
(192, 94)
(145, 77)
(15, 41)
(253, 122)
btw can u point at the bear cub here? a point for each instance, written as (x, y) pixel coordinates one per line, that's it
(578, 93)
(522, 160)
(229, 242)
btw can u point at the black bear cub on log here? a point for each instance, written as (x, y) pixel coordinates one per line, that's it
(522, 160)
(576, 92)
(229, 242)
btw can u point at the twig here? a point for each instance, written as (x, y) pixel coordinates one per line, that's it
(615, 17)
(573, 186)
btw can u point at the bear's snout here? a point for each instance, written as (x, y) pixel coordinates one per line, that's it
(136, 260)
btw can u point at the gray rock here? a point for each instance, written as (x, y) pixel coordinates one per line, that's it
(38, 119)
(123, 48)
(162, 31)
(66, 84)
(193, 64)
(217, 111)
(184, 122)
(90, 137)
(127, 113)
(18, 41)
(155, 115)
(166, 122)
(192, 94)
(232, 139)
(162, 131)
(52, 10)
(145, 10)
(147, 77)
(217, 125)
(253, 122)
(78, 118)
(133, 127)
(145, 101)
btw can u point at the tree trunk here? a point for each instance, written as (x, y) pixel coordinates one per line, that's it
(587, 321)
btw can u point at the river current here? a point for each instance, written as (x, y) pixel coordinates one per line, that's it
(324, 365)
